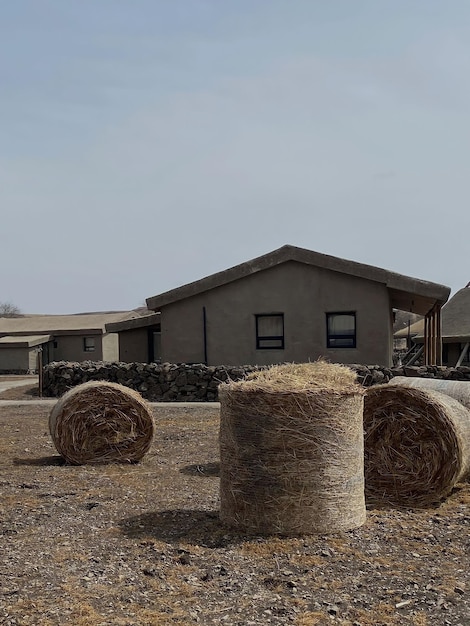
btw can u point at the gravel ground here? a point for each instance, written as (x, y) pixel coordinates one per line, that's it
(143, 545)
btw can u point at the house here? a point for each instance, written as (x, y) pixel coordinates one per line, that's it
(293, 305)
(455, 330)
(138, 338)
(77, 337)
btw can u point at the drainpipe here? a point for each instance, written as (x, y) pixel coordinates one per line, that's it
(204, 331)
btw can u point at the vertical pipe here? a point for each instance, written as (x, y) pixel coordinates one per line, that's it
(204, 330)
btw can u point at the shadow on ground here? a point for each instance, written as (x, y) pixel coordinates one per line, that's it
(197, 527)
(41, 461)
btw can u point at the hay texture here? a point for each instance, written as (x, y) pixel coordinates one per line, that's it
(457, 389)
(417, 445)
(291, 450)
(101, 422)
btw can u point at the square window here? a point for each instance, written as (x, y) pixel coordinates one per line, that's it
(341, 330)
(270, 331)
(89, 344)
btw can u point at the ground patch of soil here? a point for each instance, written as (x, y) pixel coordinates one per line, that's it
(26, 392)
(141, 545)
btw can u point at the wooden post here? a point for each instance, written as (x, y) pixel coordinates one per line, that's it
(40, 371)
(426, 339)
(439, 336)
(433, 337)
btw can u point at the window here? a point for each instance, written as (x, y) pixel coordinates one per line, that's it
(89, 344)
(341, 330)
(270, 331)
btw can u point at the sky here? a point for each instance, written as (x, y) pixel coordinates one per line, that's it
(145, 144)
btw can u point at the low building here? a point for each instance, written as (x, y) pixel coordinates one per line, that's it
(79, 337)
(138, 338)
(292, 305)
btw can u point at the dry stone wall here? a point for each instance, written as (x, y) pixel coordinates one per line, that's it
(168, 382)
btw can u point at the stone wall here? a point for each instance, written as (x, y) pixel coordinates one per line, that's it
(169, 382)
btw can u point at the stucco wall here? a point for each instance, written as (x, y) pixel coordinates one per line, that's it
(32, 359)
(71, 348)
(16, 359)
(110, 343)
(304, 294)
(133, 345)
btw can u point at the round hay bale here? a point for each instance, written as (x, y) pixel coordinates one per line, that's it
(291, 450)
(416, 445)
(457, 389)
(100, 422)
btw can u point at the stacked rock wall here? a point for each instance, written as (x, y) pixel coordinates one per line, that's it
(168, 382)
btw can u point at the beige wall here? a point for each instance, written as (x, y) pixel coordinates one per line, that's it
(110, 347)
(133, 345)
(304, 294)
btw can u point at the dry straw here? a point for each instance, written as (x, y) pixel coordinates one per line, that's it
(101, 422)
(291, 446)
(457, 389)
(417, 445)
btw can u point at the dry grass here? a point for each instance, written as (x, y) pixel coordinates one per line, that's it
(101, 422)
(300, 378)
(128, 545)
(291, 447)
(417, 445)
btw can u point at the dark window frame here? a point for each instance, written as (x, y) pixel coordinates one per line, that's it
(334, 336)
(261, 338)
(89, 348)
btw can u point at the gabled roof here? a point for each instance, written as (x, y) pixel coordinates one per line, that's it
(455, 319)
(406, 293)
(93, 323)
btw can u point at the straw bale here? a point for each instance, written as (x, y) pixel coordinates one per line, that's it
(417, 445)
(291, 450)
(101, 422)
(457, 389)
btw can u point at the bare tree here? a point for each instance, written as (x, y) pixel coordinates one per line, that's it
(7, 309)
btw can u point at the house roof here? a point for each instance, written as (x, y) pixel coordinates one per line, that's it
(406, 293)
(455, 319)
(26, 341)
(92, 323)
(138, 322)
(415, 329)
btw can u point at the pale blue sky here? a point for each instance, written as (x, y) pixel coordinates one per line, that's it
(148, 143)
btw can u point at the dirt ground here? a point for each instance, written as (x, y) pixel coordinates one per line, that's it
(143, 545)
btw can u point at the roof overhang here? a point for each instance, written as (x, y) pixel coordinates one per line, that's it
(60, 333)
(133, 324)
(28, 341)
